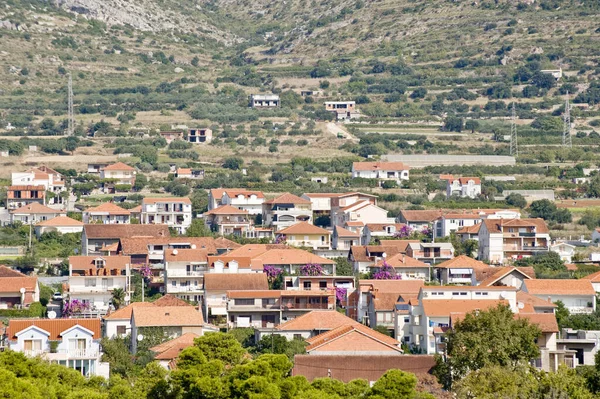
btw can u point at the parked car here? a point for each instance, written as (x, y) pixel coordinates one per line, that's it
(57, 296)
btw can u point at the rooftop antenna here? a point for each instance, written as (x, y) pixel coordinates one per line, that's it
(70, 108)
(514, 148)
(566, 139)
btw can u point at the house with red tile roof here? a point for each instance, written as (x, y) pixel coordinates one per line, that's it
(106, 213)
(61, 224)
(459, 270)
(175, 212)
(50, 179)
(578, 296)
(18, 196)
(33, 213)
(96, 236)
(405, 267)
(183, 173)
(216, 286)
(17, 289)
(184, 271)
(382, 171)
(353, 339)
(286, 210)
(506, 276)
(92, 280)
(304, 234)
(343, 239)
(309, 325)
(463, 187)
(375, 232)
(228, 220)
(167, 353)
(505, 240)
(119, 172)
(248, 200)
(78, 342)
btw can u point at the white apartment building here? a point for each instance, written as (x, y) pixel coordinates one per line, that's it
(174, 212)
(578, 296)
(43, 176)
(92, 280)
(106, 213)
(502, 240)
(286, 210)
(184, 273)
(343, 208)
(250, 201)
(469, 187)
(120, 172)
(450, 222)
(396, 171)
(78, 343)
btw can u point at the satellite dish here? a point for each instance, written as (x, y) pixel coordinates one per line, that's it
(384, 255)
(520, 305)
(127, 298)
(52, 314)
(193, 246)
(22, 290)
(140, 337)
(174, 252)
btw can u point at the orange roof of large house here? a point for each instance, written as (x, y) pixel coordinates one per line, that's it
(184, 200)
(342, 232)
(6, 271)
(400, 245)
(184, 171)
(291, 256)
(253, 294)
(170, 300)
(400, 287)
(186, 255)
(226, 210)
(332, 335)
(469, 229)
(463, 261)
(139, 245)
(379, 166)
(116, 231)
(88, 263)
(531, 302)
(378, 227)
(594, 277)
(545, 321)
(171, 349)
(110, 208)
(559, 287)
(253, 250)
(495, 225)
(243, 262)
(402, 260)
(462, 180)
(60, 220)
(14, 284)
(235, 281)
(35, 208)
(53, 326)
(501, 272)
(304, 228)
(441, 308)
(421, 215)
(323, 195)
(40, 187)
(167, 316)
(118, 166)
(124, 313)
(319, 320)
(287, 198)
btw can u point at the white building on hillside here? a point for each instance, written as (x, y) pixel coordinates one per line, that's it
(172, 211)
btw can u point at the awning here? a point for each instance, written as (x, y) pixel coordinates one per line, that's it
(461, 271)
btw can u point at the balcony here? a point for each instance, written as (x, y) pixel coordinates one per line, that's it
(581, 309)
(184, 273)
(459, 280)
(303, 306)
(184, 289)
(525, 248)
(252, 308)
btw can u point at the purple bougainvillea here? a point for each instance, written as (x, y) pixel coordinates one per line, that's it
(404, 232)
(280, 239)
(146, 272)
(272, 272)
(386, 272)
(74, 306)
(427, 232)
(341, 294)
(311, 269)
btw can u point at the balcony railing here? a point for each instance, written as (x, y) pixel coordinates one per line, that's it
(184, 273)
(188, 288)
(581, 309)
(302, 306)
(80, 353)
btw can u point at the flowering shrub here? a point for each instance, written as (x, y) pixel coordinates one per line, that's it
(311, 269)
(341, 294)
(272, 272)
(146, 272)
(404, 232)
(386, 273)
(427, 232)
(280, 239)
(74, 306)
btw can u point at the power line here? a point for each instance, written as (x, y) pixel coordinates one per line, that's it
(514, 147)
(70, 120)
(566, 139)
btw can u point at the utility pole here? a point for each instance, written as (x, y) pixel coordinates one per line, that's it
(70, 120)
(514, 147)
(566, 139)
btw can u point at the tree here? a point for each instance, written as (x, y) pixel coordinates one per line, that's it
(396, 384)
(419, 92)
(516, 199)
(453, 124)
(543, 262)
(548, 210)
(472, 125)
(118, 297)
(479, 340)
(278, 344)
(543, 80)
(140, 182)
(343, 267)
(219, 346)
(234, 163)
(198, 229)
(497, 382)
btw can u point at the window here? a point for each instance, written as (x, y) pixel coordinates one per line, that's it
(307, 285)
(407, 339)
(461, 223)
(174, 283)
(268, 302)
(121, 330)
(462, 293)
(32, 345)
(407, 320)
(315, 300)
(244, 302)
(481, 293)
(100, 263)
(77, 345)
(297, 336)
(90, 282)
(322, 285)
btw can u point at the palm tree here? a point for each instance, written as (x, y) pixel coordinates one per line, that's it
(118, 296)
